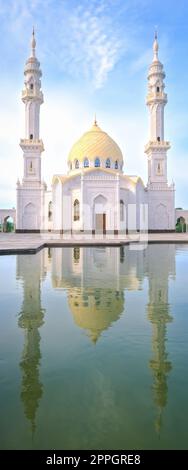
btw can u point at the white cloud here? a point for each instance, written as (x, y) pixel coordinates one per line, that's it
(94, 43)
(84, 40)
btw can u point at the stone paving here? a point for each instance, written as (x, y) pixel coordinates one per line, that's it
(31, 243)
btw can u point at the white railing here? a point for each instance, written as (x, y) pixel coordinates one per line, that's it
(28, 93)
(35, 141)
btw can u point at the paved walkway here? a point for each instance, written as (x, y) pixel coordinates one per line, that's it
(31, 243)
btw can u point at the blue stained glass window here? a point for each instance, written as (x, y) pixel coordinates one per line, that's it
(97, 162)
(86, 162)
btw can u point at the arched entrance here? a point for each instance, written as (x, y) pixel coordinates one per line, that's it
(30, 217)
(181, 224)
(8, 224)
(7, 220)
(99, 214)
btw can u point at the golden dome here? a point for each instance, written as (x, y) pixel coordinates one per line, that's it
(94, 310)
(96, 143)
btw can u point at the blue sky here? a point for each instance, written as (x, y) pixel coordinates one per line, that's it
(94, 57)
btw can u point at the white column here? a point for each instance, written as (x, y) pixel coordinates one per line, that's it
(117, 203)
(82, 202)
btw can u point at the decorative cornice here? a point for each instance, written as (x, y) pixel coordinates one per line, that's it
(100, 177)
(31, 145)
(160, 187)
(157, 97)
(156, 69)
(32, 94)
(155, 146)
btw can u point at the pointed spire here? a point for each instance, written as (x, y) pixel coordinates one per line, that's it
(155, 47)
(33, 43)
(95, 127)
(95, 120)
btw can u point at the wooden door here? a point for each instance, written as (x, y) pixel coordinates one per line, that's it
(100, 223)
(104, 223)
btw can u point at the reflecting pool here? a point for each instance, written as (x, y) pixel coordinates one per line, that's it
(94, 348)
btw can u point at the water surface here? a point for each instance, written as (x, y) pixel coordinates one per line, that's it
(94, 348)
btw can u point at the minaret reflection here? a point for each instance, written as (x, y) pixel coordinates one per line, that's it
(95, 278)
(30, 269)
(161, 265)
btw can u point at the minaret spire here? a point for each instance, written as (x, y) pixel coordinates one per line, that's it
(155, 47)
(33, 43)
(95, 120)
(156, 98)
(32, 94)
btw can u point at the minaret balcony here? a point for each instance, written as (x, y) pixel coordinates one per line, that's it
(156, 97)
(29, 94)
(32, 144)
(157, 146)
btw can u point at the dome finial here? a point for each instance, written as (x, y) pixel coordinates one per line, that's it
(155, 46)
(95, 120)
(33, 43)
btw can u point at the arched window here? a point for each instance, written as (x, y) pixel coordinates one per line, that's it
(76, 210)
(8, 225)
(76, 164)
(122, 209)
(107, 163)
(86, 162)
(31, 136)
(50, 211)
(97, 162)
(116, 165)
(31, 86)
(158, 89)
(158, 139)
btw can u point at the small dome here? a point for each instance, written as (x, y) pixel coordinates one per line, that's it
(96, 144)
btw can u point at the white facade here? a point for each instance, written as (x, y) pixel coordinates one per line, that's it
(95, 196)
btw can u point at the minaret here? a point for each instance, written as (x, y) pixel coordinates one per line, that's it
(29, 201)
(159, 316)
(161, 267)
(161, 196)
(31, 318)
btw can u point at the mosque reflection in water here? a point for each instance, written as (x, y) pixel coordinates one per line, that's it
(96, 280)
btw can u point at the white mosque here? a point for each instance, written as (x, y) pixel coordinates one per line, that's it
(95, 195)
